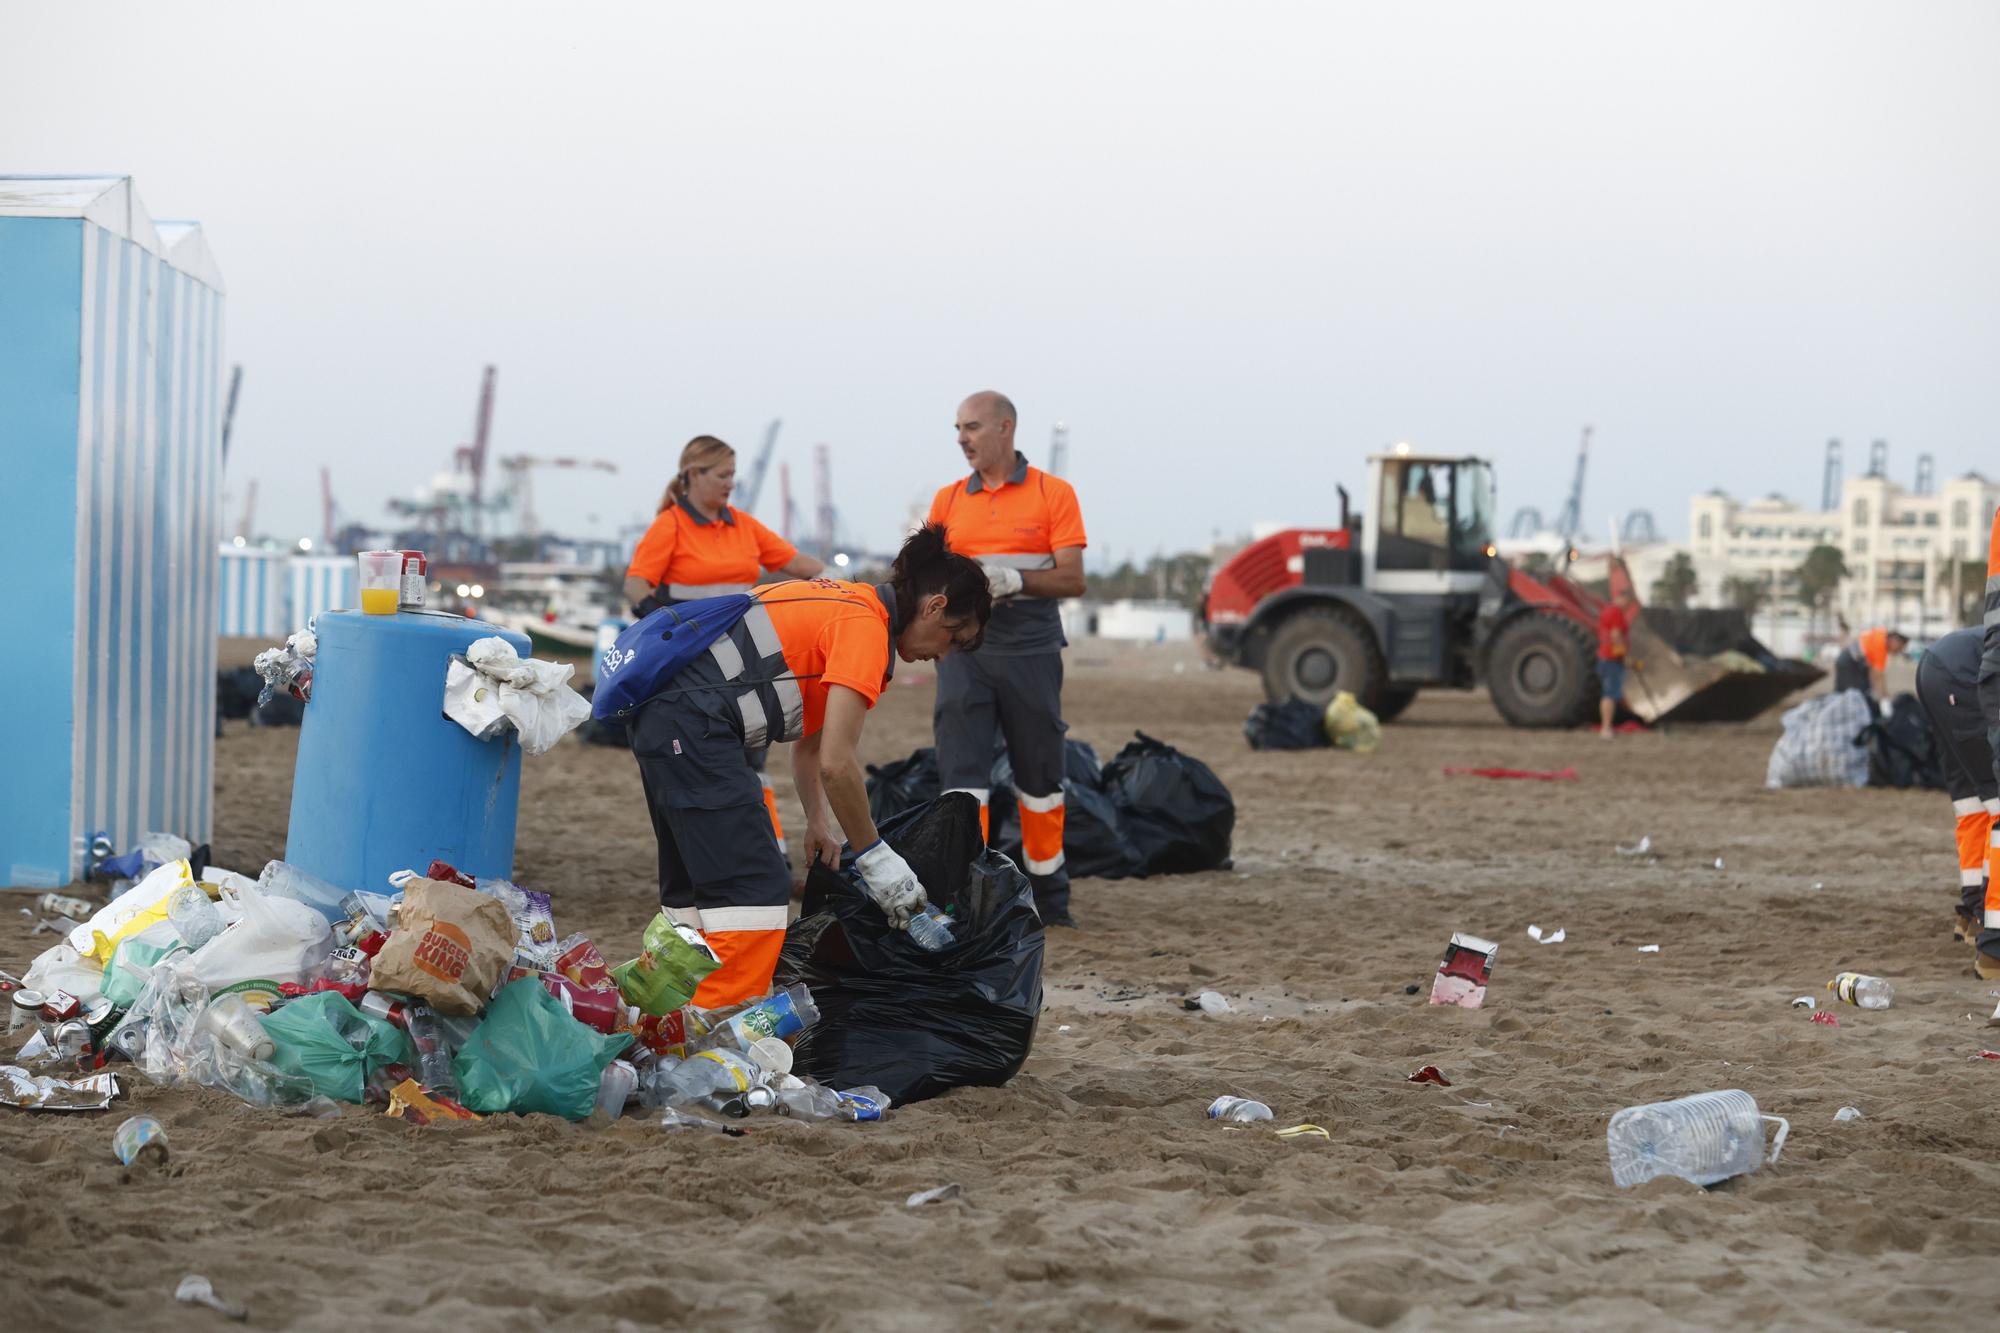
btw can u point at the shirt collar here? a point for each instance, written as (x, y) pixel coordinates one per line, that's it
(695, 514)
(1014, 478)
(886, 594)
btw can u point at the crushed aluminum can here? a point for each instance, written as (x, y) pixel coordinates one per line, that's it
(39, 1092)
(1462, 976)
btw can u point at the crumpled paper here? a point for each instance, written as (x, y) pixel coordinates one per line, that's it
(492, 687)
(39, 1092)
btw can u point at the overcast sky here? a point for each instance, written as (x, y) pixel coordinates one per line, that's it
(1236, 247)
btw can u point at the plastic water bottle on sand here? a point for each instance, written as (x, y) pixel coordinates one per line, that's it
(1706, 1138)
(1238, 1109)
(1861, 989)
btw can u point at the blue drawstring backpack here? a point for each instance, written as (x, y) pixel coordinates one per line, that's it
(650, 653)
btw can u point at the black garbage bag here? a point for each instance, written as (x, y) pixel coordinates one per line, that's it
(1175, 812)
(236, 691)
(903, 785)
(1094, 842)
(1902, 749)
(1291, 725)
(918, 1024)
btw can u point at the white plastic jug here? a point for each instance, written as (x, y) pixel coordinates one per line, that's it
(1706, 1138)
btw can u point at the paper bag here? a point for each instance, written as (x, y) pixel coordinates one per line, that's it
(451, 947)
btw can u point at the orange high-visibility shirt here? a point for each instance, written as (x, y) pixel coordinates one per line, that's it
(1874, 645)
(1021, 523)
(701, 557)
(832, 633)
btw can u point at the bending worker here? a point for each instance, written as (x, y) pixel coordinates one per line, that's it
(1023, 527)
(699, 547)
(804, 664)
(1986, 953)
(1948, 689)
(1863, 665)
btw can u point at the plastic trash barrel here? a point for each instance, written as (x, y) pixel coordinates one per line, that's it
(384, 779)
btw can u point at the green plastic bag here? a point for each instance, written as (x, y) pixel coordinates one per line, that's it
(528, 1054)
(663, 977)
(332, 1045)
(121, 986)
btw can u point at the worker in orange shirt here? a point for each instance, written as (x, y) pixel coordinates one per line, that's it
(1863, 665)
(699, 547)
(1948, 690)
(1986, 950)
(805, 665)
(1023, 527)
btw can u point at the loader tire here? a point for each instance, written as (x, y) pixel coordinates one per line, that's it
(1540, 673)
(1319, 652)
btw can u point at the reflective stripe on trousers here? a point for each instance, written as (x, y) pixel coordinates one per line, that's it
(1041, 832)
(746, 941)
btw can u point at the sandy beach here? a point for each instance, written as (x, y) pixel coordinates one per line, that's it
(1095, 1194)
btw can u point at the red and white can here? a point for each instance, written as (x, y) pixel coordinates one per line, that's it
(416, 573)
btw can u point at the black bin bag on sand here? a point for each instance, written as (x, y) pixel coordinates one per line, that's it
(903, 785)
(1176, 814)
(1291, 725)
(917, 1024)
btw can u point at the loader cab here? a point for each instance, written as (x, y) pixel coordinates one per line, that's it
(1430, 529)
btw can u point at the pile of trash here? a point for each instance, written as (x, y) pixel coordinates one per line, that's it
(452, 998)
(1151, 810)
(1845, 739)
(1298, 725)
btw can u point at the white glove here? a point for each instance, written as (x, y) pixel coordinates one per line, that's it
(1887, 707)
(891, 883)
(1001, 581)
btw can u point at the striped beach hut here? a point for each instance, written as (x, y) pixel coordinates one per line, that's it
(250, 593)
(322, 583)
(110, 365)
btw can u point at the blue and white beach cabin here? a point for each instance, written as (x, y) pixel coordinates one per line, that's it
(110, 450)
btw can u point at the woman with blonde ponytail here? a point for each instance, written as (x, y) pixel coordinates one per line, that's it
(699, 547)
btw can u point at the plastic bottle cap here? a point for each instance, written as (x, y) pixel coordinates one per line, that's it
(771, 1054)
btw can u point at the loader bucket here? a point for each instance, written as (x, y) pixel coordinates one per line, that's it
(1705, 666)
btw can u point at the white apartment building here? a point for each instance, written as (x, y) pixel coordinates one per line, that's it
(1899, 547)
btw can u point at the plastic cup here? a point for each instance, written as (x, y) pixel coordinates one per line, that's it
(772, 1055)
(381, 581)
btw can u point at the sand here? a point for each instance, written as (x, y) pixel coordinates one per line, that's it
(1095, 1194)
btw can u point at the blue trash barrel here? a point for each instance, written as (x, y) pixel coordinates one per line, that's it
(384, 779)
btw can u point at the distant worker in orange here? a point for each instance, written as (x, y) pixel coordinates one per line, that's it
(1864, 664)
(699, 547)
(1023, 527)
(1986, 951)
(805, 664)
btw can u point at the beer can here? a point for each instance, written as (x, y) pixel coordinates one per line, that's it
(415, 574)
(70, 1039)
(101, 1016)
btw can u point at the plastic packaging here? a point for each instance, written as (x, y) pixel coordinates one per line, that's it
(1238, 1110)
(616, 1086)
(1858, 988)
(528, 1055)
(129, 913)
(194, 916)
(1351, 726)
(671, 965)
(532, 694)
(1706, 1138)
(705, 1074)
(278, 940)
(235, 1025)
(139, 1137)
(332, 1045)
(1212, 1002)
(931, 929)
(434, 1049)
(1848, 1113)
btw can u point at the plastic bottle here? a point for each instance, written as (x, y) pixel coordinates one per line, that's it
(196, 920)
(784, 1014)
(288, 881)
(703, 1074)
(1861, 989)
(931, 929)
(808, 1100)
(1706, 1138)
(1238, 1109)
(434, 1049)
(140, 1137)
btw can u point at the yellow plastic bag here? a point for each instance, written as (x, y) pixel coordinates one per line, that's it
(1350, 726)
(143, 905)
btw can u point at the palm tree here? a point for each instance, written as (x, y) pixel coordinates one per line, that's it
(1746, 595)
(1819, 576)
(1677, 583)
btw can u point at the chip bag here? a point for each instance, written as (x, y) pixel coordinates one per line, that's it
(664, 976)
(451, 947)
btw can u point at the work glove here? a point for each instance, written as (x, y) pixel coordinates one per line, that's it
(1001, 581)
(891, 883)
(1887, 707)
